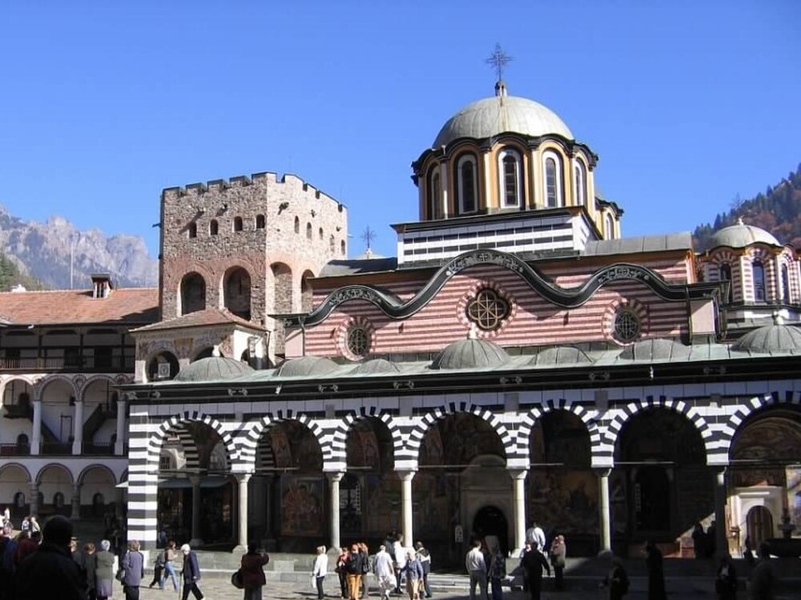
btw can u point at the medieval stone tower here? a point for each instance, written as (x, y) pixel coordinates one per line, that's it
(248, 245)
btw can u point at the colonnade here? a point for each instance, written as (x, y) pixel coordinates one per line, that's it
(77, 428)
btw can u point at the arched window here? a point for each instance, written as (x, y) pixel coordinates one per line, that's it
(58, 499)
(758, 272)
(609, 227)
(434, 195)
(308, 231)
(467, 184)
(191, 231)
(581, 183)
(342, 247)
(332, 245)
(260, 222)
(785, 283)
(510, 167)
(193, 293)
(237, 292)
(214, 227)
(553, 180)
(725, 275)
(320, 233)
(297, 225)
(237, 223)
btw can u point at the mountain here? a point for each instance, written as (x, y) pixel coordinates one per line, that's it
(44, 251)
(778, 211)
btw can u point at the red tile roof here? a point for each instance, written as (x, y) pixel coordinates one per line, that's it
(202, 318)
(64, 307)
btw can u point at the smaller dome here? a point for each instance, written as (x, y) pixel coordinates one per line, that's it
(375, 366)
(306, 366)
(560, 355)
(213, 368)
(655, 349)
(471, 354)
(741, 236)
(770, 338)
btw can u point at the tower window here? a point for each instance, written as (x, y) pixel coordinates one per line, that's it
(434, 195)
(725, 275)
(320, 233)
(342, 247)
(510, 180)
(758, 270)
(581, 184)
(297, 225)
(785, 283)
(553, 181)
(260, 222)
(468, 184)
(308, 231)
(192, 230)
(237, 223)
(214, 227)
(610, 227)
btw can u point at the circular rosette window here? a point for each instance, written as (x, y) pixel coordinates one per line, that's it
(625, 321)
(486, 309)
(356, 338)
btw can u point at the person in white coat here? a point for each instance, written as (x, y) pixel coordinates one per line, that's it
(400, 563)
(320, 570)
(384, 572)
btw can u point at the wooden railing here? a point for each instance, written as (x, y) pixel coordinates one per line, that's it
(71, 364)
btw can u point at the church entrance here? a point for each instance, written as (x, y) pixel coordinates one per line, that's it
(759, 524)
(490, 520)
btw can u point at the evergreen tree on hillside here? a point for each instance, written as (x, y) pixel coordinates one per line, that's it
(11, 276)
(778, 211)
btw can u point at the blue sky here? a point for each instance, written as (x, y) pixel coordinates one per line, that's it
(104, 104)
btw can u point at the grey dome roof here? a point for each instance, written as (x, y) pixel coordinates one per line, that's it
(741, 235)
(655, 349)
(501, 114)
(560, 355)
(470, 354)
(306, 366)
(770, 338)
(213, 368)
(375, 366)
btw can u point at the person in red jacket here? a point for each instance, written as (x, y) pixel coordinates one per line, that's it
(252, 570)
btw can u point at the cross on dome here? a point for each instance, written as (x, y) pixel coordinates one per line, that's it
(498, 60)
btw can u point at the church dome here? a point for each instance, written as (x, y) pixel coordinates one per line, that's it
(471, 353)
(741, 236)
(770, 338)
(306, 366)
(213, 368)
(501, 114)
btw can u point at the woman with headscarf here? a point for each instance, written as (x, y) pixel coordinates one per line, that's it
(252, 569)
(656, 575)
(104, 571)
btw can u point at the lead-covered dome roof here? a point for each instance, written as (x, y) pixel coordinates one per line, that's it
(472, 353)
(741, 236)
(502, 114)
(213, 368)
(770, 338)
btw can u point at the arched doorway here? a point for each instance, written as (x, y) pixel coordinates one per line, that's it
(490, 520)
(652, 503)
(759, 525)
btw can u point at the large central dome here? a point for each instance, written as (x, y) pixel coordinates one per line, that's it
(501, 114)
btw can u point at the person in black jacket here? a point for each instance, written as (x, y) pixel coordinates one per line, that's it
(533, 562)
(50, 571)
(354, 567)
(656, 575)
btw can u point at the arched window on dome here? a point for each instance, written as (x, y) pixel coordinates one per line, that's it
(785, 283)
(758, 274)
(510, 167)
(725, 275)
(434, 209)
(553, 180)
(609, 227)
(467, 176)
(580, 180)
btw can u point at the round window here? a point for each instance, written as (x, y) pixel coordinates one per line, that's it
(358, 340)
(487, 310)
(627, 325)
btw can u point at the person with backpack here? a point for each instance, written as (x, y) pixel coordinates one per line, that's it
(158, 570)
(424, 556)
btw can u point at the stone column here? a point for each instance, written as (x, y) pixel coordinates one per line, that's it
(721, 539)
(196, 539)
(406, 505)
(604, 522)
(242, 479)
(34, 503)
(519, 481)
(334, 479)
(76, 502)
(77, 427)
(119, 444)
(36, 442)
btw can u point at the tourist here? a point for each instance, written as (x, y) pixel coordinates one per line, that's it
(699, 541)
(748, 552)
(400, 561)
(8, 552)
(342, 573)
(384, 572)
(477, 568)
(191, 573)
(536, 534)
(558, 554)
(354, 567)
(763, 579)
(252, 569)
(496, 571)
(534, 562)
(320, 570)
(424, 556)
(50, 571)
(89, 565)
(158, 570)
(104, 571)
(26, 545)
(26, 523)
(133, 568)
(365, 552)
(414, 575)
(35, 524)
(726, 579)
(170, 556)
(656, 574)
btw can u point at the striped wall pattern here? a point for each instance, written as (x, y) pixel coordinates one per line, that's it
(716, 422)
